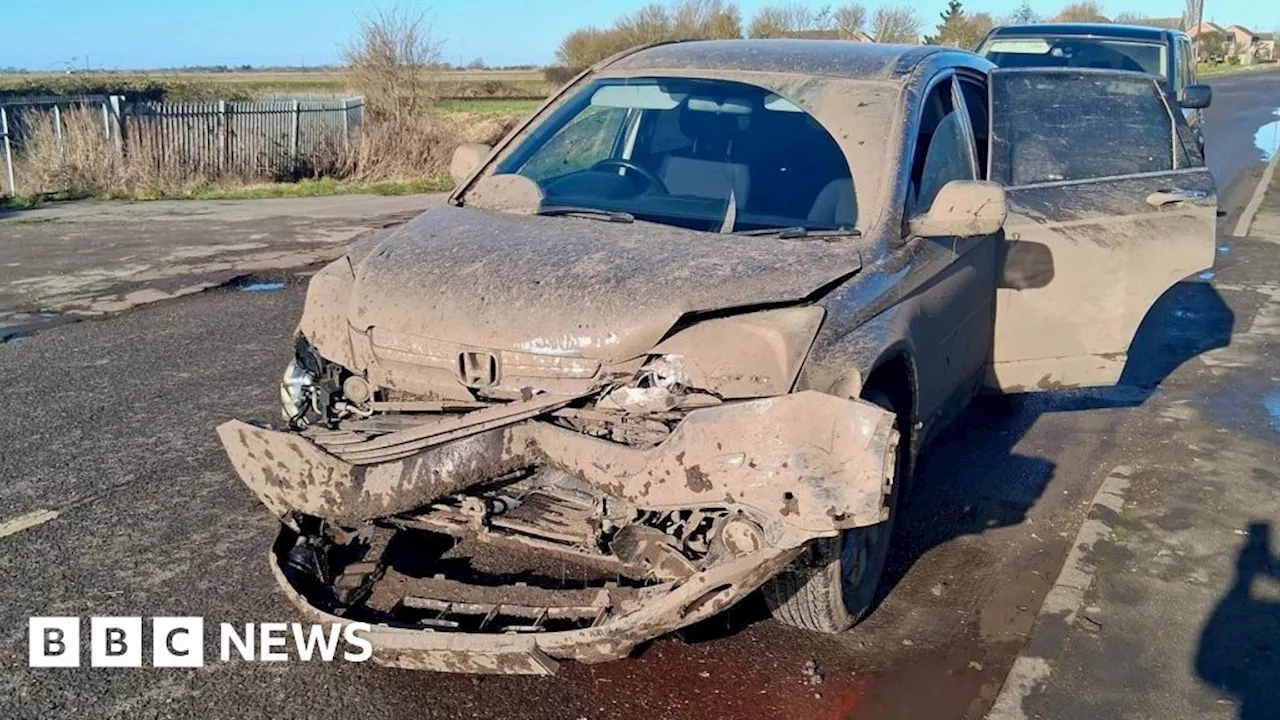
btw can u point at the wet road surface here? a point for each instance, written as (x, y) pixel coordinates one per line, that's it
(110, 422)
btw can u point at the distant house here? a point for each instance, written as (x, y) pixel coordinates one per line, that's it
(1205, 27)
(1248, 45)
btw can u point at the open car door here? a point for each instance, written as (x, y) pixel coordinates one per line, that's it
(1109, 204)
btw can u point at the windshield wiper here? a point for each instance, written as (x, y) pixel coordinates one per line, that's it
(610, 215)
(798, 232)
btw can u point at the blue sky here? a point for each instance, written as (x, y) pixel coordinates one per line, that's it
(53, 34)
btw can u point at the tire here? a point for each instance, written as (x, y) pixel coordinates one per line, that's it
(826, 589)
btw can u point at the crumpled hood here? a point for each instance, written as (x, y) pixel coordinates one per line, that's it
(570, 286)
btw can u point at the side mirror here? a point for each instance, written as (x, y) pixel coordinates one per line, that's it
(1196, 97)
(466, 159)
(963, 208)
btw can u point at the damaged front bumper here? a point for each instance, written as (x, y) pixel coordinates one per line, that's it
(668, 535)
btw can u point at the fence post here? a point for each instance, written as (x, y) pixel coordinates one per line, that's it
(346, 126)
(222, 137)
(57, 132)
(106, 121)
(8, 151)
(117, 111)
(293, 137)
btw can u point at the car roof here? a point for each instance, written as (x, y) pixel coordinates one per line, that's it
(831, 58)
(1128, 32)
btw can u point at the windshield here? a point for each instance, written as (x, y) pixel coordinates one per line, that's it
(1076, 52)
(703, 154)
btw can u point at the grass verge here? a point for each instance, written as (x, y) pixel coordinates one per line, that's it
(498, 107)
(1226, 69)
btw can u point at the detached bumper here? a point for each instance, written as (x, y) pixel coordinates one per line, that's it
(798, 467)
(666, 608)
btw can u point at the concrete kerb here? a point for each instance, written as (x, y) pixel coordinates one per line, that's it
(1251, 210)
(1033, 667)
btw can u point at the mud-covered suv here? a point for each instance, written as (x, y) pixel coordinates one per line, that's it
(681, 334)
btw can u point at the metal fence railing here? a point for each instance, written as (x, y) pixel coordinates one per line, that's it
(264, 138)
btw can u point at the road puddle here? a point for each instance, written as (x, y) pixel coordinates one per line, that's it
(1272, 403)
(261, 287)
(1267, 138)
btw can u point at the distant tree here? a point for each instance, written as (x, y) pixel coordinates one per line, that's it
(477, 64)
(775, 21)
(952, 17)
(1024, 15)
(1130, 18)
(388, 60)
(849, 20)
(1192, 13)
(958, 28)
(895, 24)
(1211, 46)
(1082, 11)
(679, 19)
(584, 47)
(706, 19)
(796, 18)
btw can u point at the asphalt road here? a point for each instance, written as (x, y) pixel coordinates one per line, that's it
(1242, 104)
(110, 424)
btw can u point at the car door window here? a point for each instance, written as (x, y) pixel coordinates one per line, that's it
(944, 148)
(974, 93)
(1054, 126)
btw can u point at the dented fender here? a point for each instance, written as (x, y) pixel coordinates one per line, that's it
(810, 463)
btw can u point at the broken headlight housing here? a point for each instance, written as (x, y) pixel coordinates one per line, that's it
(741, 356)
(296, 392)
(308, 386)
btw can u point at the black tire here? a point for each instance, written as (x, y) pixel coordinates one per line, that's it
(825, 590)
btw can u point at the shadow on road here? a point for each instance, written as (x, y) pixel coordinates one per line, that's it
(970, 479)
(1239, 651)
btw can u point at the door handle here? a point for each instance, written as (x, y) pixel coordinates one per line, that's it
(1160, 198)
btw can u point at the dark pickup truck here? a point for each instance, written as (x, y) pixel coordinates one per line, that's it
(1155, 51)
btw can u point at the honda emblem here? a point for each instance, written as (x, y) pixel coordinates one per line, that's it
(477, 369)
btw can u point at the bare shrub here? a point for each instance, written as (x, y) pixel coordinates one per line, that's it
(849, 20)
(777, 21)
(678, 19)
(557, 76)
(79, 162)
(898, 24)
(391, 148)
(1083, 11)
(389, 63)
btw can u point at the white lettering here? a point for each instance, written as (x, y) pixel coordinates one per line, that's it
(366, 647)
(316, 638)
(272, 635)
(229, 637)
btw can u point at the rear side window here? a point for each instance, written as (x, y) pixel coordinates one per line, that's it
(1053, 126)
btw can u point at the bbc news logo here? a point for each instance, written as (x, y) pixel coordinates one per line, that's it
(180, 642)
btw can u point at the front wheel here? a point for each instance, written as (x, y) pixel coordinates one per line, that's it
(833, 585)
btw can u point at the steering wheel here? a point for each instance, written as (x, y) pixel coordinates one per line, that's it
(644, 173)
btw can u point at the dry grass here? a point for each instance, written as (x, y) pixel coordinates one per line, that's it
(407, 135)
(412, 149)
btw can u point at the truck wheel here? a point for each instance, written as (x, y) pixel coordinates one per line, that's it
(833, 584)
